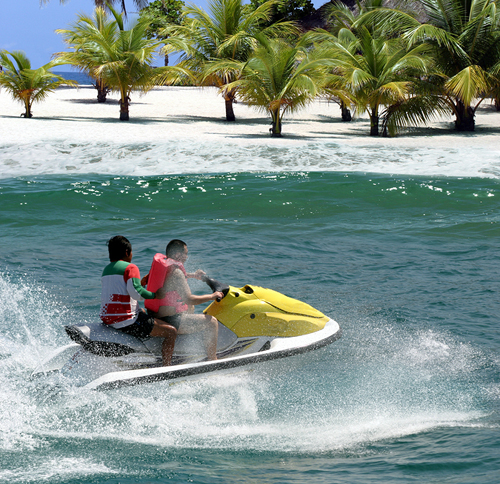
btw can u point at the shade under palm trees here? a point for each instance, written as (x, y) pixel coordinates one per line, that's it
(25, 84)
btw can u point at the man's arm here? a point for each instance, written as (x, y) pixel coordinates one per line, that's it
(178, 280)
(134, 287)
(196, 275)
(137, 291)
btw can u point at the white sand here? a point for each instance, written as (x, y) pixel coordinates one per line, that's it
(195, 114)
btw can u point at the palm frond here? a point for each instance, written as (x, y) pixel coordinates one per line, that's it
(468, 84)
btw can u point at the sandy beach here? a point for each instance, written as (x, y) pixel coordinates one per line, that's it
(191, 113)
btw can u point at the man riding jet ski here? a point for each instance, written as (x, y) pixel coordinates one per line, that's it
(167, 298)
(168, 273)
(242, 326)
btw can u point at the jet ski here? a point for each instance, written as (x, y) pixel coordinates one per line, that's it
(255, 325)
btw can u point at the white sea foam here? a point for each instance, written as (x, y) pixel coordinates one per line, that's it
(389, 384)
(182, 130)
(55, 469)
(180, 157)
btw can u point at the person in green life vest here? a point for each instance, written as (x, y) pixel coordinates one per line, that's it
(120, 296)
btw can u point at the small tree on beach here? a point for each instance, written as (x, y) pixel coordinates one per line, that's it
(217, 43)
(25, 84)
(383, 72)
(120, 57)
(77, 37)
(345, 26)
(279, 78)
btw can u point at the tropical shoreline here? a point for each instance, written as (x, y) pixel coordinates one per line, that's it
(198, 113)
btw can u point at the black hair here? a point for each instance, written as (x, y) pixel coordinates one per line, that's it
(174, 247)
(119, 247)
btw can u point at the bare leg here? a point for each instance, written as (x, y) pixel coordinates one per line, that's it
(210, 337)
(194, 323)
(164, 330)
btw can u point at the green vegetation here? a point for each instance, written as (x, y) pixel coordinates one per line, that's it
(278, 78)
(215, 45)
(25, 84)
(160, 14)
(464, 36)
(121, 58)
(87, 58)
(402, 65)
(294, 10)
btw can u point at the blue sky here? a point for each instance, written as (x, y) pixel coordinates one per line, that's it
(30, 27)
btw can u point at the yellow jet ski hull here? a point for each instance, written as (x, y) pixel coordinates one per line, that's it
(257, 311)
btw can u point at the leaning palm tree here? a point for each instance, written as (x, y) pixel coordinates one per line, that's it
(121, 58)
(279, 78)
(217, 43)
(25, 84)
(465, 37)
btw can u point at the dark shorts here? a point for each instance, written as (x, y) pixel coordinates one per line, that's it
(174, 320)
(142, 327)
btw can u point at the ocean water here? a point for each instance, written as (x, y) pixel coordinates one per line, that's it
(82, 78)
(405, 258)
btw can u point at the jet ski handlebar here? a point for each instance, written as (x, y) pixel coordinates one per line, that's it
(216, 285)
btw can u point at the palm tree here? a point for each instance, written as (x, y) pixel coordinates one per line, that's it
(335, 87)
(465, 37)
(25, 84)
(279, 78)
(378, 71)
(340, 17)
(79, 33)
(121, 58)
(217, 43)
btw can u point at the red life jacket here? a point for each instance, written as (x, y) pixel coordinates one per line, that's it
(161, 268)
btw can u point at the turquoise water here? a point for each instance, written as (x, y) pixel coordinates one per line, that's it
(408, 266)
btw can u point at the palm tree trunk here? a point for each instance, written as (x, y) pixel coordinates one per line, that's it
(124, 105)
(346, 112)
(229, 97)
(27, 107)
(497, 103)
(102, 90)
(374, 122)
(25, 97)
(229, 110)
(276, 124)
(464, 117)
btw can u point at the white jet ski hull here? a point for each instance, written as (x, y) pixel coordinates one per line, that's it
(101, 373)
